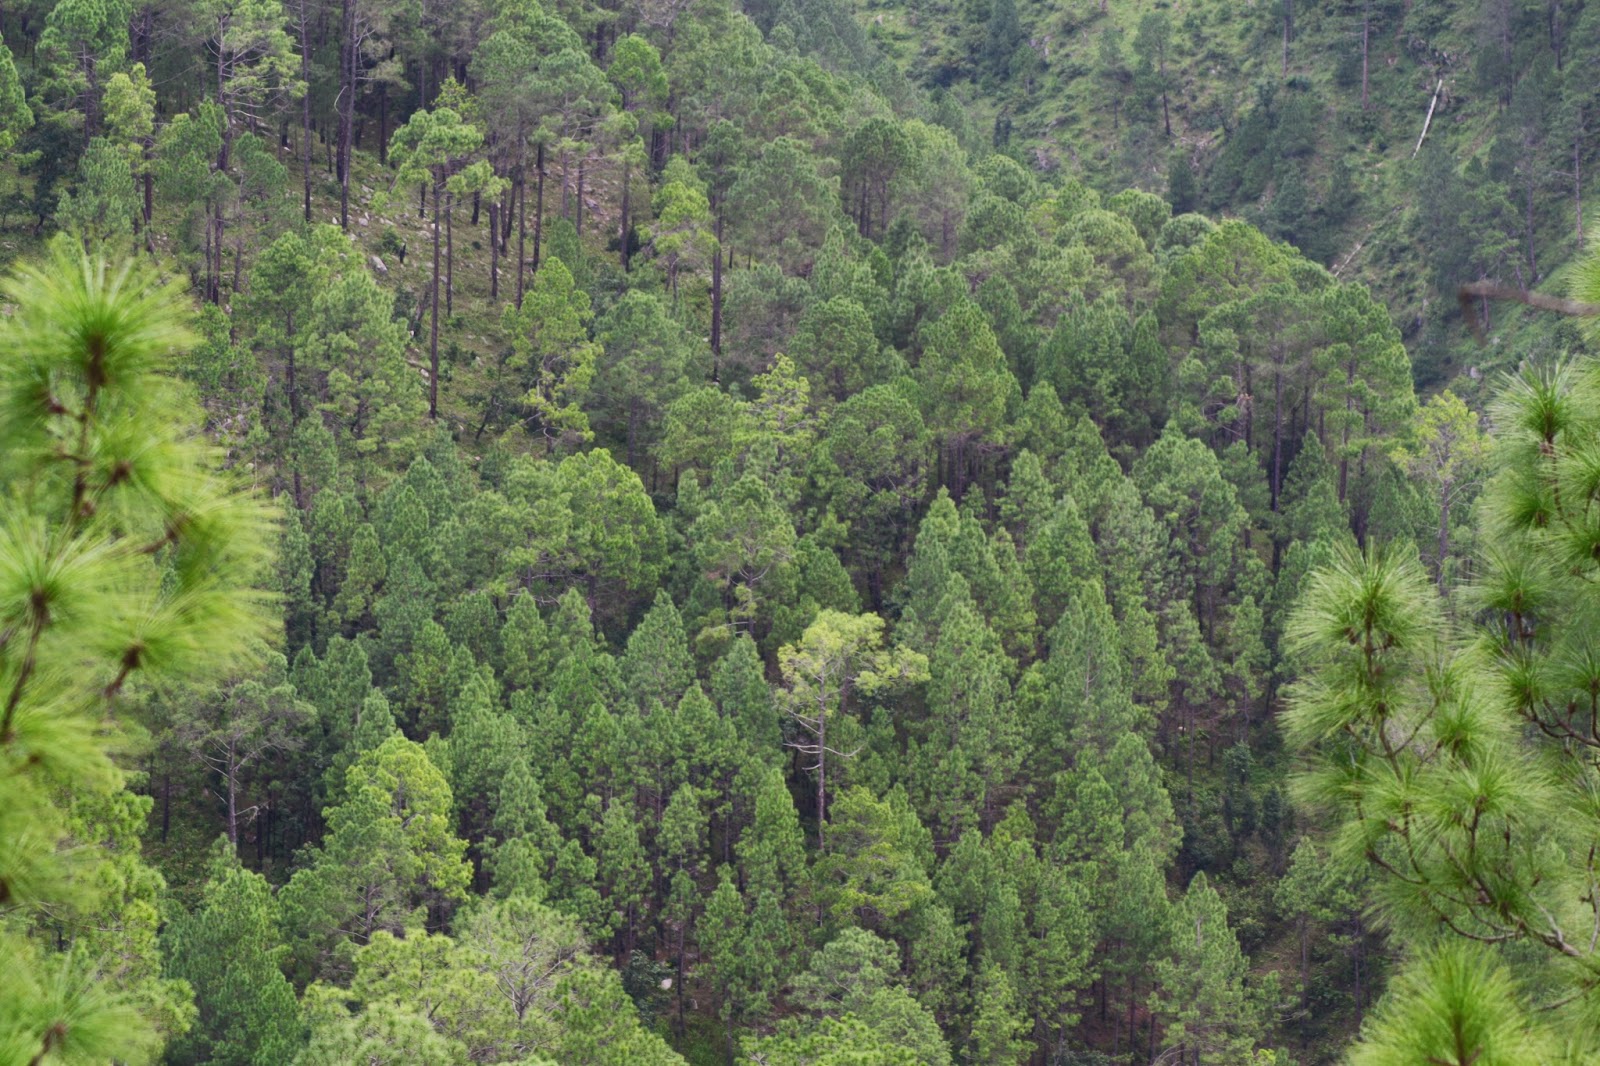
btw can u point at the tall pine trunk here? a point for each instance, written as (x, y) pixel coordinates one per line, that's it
(305, 109)
(522, 235)
(494, 250)
(716, 299)
(538, 210)
(433, 329)
(347, 110)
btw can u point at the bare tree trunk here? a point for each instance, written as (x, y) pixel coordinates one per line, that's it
(1444, 530)
(231, 777)
(522, 233)
(822, 778)
(494, 250)
(347, 111)
(508, 211)
(449, 253)
(577, 211)
(716, 297)
(305, 108)
(538, 211)
(1277, 439)
(433, 338)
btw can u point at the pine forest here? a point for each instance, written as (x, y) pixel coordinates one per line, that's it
(899, 533)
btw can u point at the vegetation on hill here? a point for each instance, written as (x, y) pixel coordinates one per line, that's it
(1306, 119)
(795, 536)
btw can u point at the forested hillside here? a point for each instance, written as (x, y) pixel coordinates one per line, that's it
(593, 534)
(1305, 117)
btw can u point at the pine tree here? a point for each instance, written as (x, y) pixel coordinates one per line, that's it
(389, 849)
(623, 872)
(972, 748)
(997, 1026)
(838, 656)
(524, 641)
(657, 665)
(743, 697)
(124, 554)
(228, 950)
(1204, 990)
(552, 358)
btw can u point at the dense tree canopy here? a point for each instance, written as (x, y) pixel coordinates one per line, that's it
(682, 533)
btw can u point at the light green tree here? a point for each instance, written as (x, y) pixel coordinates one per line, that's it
(101, 207)
(552, 356)
(1447, 450)
(1456, 1006)
(123, 553)
(838, 657)
(16, 117)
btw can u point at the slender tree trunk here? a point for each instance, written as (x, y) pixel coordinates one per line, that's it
(1444, 530)
(91, 99)
(1577, 185)
(494, 250)
(231, 777)
(1277, 439)
(678, 985)
(289, 386)
(347, 111)
(508, 209)
(210, 262)
(522, 234)
(716, 298)
(538, 210)
(433, 329)
(822, 778)
(577, 211)
(449, 253)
